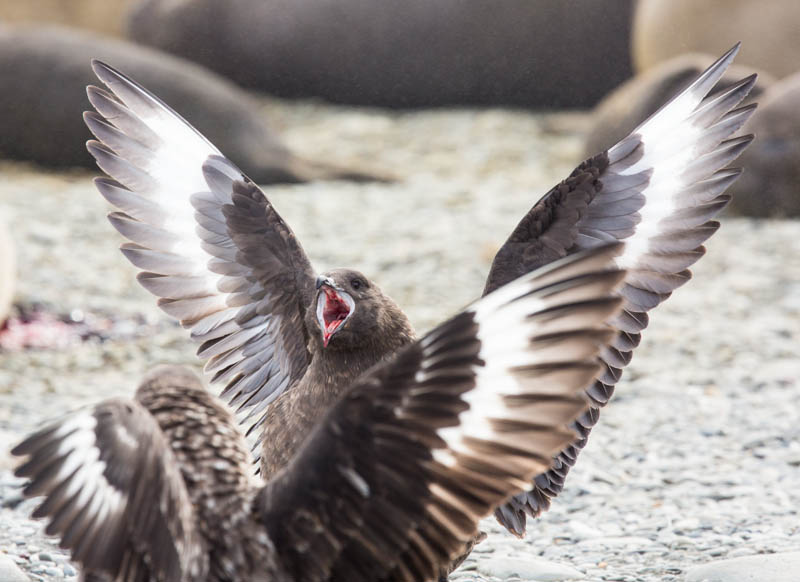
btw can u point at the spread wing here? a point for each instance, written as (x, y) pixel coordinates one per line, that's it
(114, 494)
(401, 470)
(657, 190)
(208, 242)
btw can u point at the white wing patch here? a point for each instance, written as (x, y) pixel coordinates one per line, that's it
(171, 185)
(82, 470)
(681, 144)
(537, 321)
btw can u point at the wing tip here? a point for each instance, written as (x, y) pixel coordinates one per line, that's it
(91, 115)
(726, 59)
(101, 98)
(91, 91)
(731, 173)
(104, 182)
(742, 87)
(750, 79)
(94, 121)
(105, 72)
(95, 63)
(22, 449)
(740, 141)
(711, 76)
(96, 147)
(749, 108)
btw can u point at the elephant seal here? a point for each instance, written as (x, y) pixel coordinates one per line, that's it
(768, 31)
(769, 185)
(415, 53)
(105, 16)
(44, 71)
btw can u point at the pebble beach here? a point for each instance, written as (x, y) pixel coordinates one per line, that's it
(696, 461)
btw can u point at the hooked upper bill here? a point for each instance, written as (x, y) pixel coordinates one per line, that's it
(334, 308)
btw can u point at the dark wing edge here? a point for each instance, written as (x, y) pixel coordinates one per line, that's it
(113, 494)
(658, 191)
(269, 276)
(207, 240)
(394, 481)
(549, 228)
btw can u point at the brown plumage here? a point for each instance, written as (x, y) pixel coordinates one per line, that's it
(225, 264)
(376, 330)
(389, 484)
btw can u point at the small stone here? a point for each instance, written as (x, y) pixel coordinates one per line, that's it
(45, 557)
(528, 569)
(773, 567)
(716, 552)
(630, 542)
(69, 570)
(51, 571)
(686, 525)
(9, 571)
(740, 553)
(581, 531)
(680, 542)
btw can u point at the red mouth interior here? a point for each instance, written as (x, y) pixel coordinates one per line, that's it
(333, 314)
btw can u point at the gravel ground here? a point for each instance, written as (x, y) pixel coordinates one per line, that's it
(698, 457)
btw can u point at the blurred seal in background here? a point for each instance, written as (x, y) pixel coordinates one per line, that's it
(415, 53)
(44, 71)
(770, 35)
(770, 184)
(769, 32)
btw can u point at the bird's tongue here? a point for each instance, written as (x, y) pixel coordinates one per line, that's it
(333, 314)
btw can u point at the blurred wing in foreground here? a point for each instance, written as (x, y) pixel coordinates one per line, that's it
(114, 494)
(657, 190)
(207, 240)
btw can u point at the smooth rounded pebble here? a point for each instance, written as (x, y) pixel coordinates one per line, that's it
(10, 572)
(528, 569)
(762, 568)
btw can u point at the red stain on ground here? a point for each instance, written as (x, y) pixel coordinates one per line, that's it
(38, 331)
